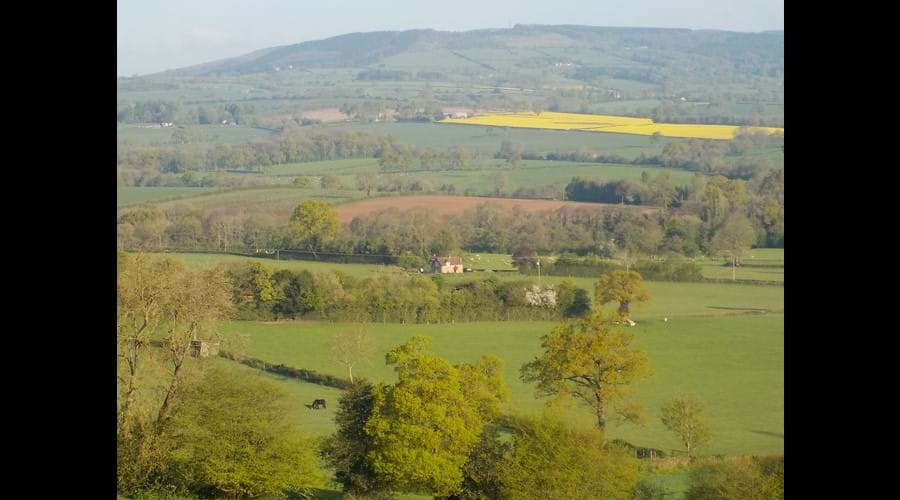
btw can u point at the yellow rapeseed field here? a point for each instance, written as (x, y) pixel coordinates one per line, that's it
(604, 123)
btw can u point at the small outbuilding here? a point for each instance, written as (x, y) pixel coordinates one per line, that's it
(449, 264)
(203, 349)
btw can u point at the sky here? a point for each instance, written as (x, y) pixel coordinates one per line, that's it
(156, 35)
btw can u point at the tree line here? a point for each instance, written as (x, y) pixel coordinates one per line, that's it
(260, 293)
(748, 214)
(163, 111)
(738, 158)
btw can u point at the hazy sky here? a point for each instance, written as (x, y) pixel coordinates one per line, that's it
(155, 35)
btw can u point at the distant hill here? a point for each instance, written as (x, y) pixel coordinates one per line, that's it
(522, 46)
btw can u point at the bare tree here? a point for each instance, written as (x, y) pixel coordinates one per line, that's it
(353, 346)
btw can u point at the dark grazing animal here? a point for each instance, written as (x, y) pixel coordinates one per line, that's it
(319, 403)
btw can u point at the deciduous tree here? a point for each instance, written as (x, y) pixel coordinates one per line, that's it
(734, 238)
(624, 287)
(686, 417)
(313, 224)
(424, 427)
(352, 346)
(591, 360)
(554, 460)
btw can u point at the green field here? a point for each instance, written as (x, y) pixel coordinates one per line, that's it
(277, 201)
(763, 264)
(321, 423)
(488, 139)
(209, 134)
(487, 260)
(135, 195)
(206, 261)
(734, 363)
(480, 178)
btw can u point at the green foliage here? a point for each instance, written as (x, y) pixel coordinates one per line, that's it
(311, 376)
(481, 479)
(734, 237)
(649, 490)
(313, 224)
(233, 441)
(624, 287)
(346, 451)
(424, 426)
(736, 479)
(554, 460)
(591, 360)
(685, 417)
(331, 182)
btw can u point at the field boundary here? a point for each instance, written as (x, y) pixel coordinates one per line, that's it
(303, 374)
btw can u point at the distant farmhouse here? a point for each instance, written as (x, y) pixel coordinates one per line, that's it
(451, 264)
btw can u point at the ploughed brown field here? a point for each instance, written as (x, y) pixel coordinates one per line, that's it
(281, 202)
(325, 114)
(451, 205)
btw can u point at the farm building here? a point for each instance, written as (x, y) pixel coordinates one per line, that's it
(201, 349)
(450, 264)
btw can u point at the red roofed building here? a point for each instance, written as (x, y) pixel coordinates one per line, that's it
(451, 264)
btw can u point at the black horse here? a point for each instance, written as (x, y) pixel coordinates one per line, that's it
(319, 403)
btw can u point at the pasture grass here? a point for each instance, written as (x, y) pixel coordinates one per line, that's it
(735, 364)
(126, 196)
(276, 201)
(207, 261)
(205, 134)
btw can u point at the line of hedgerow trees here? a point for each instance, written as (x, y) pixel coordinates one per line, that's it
(261, 293)
(187, 152)
(204, 428)
(721, 217)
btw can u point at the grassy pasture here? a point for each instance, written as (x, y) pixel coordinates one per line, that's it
(207, 261)
(481, 179)
(734, 363)
(212, 134)
(135, 195)
(764, 264)
(277, 201)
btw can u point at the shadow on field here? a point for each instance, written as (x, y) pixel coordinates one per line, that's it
(748, 309)
(767, 433)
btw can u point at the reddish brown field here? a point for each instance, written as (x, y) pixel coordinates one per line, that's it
(325, 114)
(447, 205)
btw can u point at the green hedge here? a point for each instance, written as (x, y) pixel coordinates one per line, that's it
(287, 371)
(594, 267)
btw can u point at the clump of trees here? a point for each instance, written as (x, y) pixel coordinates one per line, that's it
(659, 190)
(183, 423)
(164, 111)
(415, 435)
(738, 478)
(261, 293)
(562, 461)
(438, 430)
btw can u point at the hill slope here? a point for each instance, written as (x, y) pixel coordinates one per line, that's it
(520, 46)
